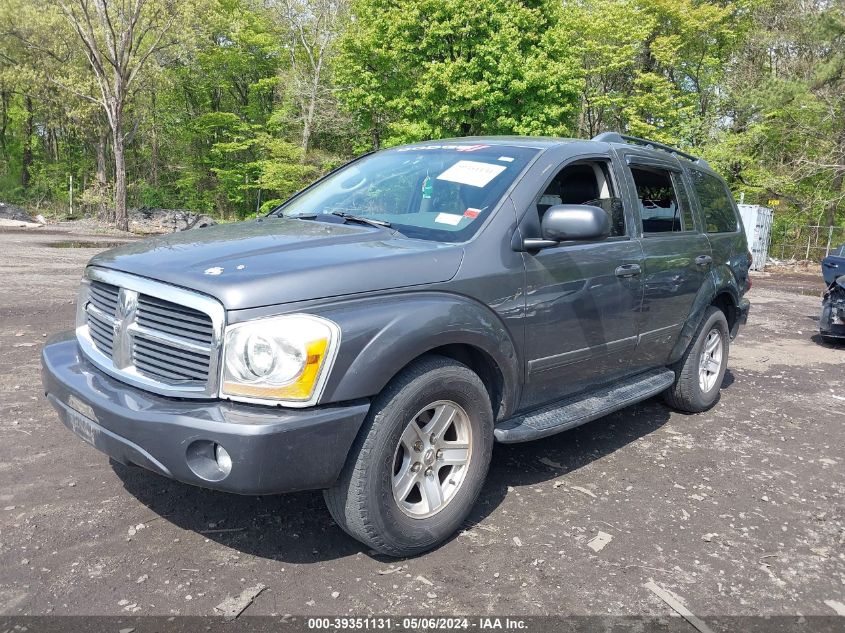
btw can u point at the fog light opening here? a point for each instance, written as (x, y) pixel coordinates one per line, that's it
(223, 459)
(208, 460)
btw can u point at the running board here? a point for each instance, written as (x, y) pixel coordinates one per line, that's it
(566, 414)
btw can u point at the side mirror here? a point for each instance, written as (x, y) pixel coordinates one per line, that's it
(564, 222)
(575, 222)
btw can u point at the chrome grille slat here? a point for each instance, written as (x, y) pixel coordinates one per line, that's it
(172, 328)
(154, 311)
(152, 314)
(104, 297)
(102, 328)
(169, 339)
(168, 356)
(167, 305)
(103, 341)
(197, 357)
(102, 331)
(159, 337)
(150, 369)
(150, 365)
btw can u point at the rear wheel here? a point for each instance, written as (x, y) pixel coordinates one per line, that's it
(419, 462)
(700, 371)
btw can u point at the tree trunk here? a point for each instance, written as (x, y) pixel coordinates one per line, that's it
(838, 185)
(120, 218)
(26, 158)
(308, 123)
(102, 179)
(376, 136)
(154, 145)
(4, 125)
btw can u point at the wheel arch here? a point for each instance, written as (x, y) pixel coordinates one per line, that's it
(728, 304)
(383, 337)
(484, 366)
(725, 297)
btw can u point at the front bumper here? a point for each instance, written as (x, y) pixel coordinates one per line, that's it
(272, 450)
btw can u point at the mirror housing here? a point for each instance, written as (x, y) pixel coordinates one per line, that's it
(583, 222)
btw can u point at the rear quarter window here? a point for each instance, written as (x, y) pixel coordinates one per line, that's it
(716, 203)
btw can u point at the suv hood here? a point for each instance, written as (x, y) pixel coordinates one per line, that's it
(279, 260)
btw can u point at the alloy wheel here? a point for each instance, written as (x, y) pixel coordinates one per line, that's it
(710, 362)
(431, 459)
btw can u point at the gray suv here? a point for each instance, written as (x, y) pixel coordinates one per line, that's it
(374, 335)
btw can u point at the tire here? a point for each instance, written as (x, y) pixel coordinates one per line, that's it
(388, 448)
(688, 393)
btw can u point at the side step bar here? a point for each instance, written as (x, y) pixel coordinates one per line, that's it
(572, 412)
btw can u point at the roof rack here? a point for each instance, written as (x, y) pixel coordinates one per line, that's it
(616, 137)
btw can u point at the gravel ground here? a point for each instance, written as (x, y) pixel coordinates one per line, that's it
(737, 511)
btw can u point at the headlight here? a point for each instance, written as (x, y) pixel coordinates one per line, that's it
(283, 359)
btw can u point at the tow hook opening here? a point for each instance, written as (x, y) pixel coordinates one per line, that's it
(209, 460)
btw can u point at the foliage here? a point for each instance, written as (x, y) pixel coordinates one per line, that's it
(434, 68)
(786, 141)
(252, 99)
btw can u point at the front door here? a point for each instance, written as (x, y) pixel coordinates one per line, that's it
(582, 299)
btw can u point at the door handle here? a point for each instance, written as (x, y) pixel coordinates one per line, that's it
(703, 260)
(829, 265)
(628, 270)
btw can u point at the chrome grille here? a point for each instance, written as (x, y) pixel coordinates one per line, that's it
(159, 337)
(104, 303)
(104, 297)
(168, 317)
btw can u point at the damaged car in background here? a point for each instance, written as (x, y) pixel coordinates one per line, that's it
(832, 320)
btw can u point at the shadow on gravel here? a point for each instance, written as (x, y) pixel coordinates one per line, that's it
(831, 343)
(729, 379)
(297, 528)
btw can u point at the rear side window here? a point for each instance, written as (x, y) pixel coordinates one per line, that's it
(716, 203)
(664, 207)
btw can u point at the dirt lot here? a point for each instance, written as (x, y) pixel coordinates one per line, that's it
(738, 511)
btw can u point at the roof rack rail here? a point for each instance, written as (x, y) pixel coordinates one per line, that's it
(616, 137)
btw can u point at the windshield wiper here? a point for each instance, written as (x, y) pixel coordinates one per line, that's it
(361, 219)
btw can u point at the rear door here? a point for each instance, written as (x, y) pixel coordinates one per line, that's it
(676, 254)
(721, 223)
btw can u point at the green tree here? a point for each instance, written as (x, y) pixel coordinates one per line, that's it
(653, 68)
(118, 40)
(434, 68)
(785, 137)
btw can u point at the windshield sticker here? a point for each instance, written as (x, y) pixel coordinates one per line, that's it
(448, 218)
(473, 173)
(507, 159)
(472, 213)
(458, 148)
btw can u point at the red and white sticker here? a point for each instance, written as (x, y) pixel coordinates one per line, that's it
(472, 213)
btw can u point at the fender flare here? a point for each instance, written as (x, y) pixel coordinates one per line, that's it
(381, 335)
(716, 286)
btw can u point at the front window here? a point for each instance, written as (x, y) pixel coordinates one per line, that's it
(433, 192)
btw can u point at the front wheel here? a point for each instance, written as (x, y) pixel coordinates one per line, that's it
(700, 371)
(419, 462)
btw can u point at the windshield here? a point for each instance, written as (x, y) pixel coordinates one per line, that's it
(432, 192)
